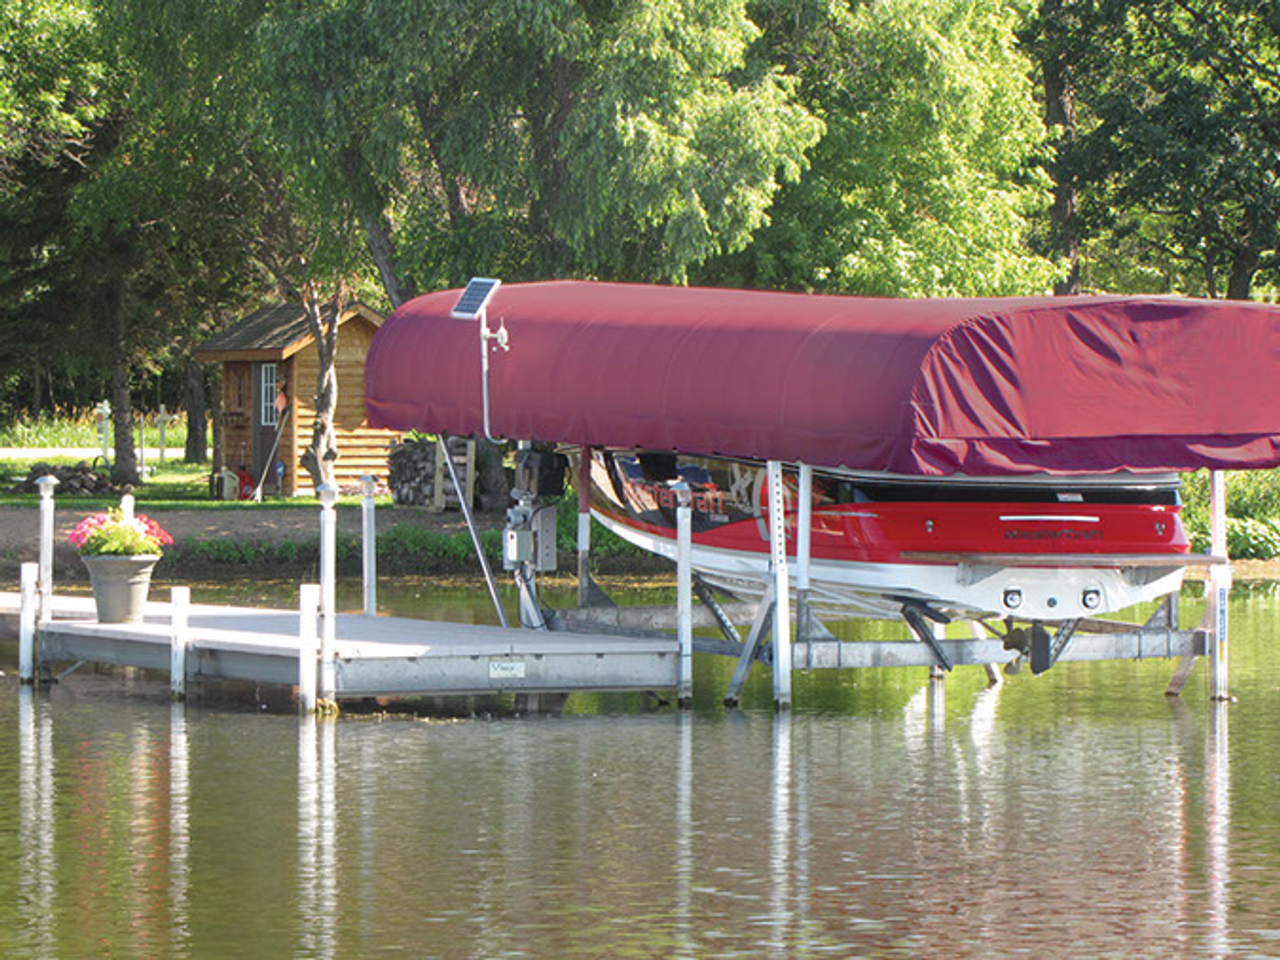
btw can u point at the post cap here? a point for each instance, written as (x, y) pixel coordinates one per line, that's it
(328, 494)
(684, 495)
(368, 484)
(46, 484)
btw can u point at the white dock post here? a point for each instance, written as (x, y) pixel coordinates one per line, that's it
(369, 538)
(1218, 586)
(127, 504)
(308, 607)
(782, 599)
(27, 624)
(179, 639)
(328, 576)
(584, 526)
(684, 591)
(804, 530)
(46, 485)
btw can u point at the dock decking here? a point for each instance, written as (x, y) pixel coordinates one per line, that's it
(373, 655)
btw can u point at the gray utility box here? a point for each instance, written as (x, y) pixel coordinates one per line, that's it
(533, 541)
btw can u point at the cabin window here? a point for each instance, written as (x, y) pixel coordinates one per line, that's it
(270, 415)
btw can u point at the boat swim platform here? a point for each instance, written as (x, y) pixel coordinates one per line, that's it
(393, 656)
(373, 656)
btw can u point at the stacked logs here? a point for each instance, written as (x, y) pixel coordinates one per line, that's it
(78, 480)
(411, 468)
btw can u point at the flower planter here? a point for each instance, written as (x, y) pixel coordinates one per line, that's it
(120, 585)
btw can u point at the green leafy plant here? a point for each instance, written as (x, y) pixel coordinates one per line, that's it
(110, 534)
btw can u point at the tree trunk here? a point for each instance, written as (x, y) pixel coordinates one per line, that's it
(194, 399)
(319, 457)
(125, 468)
(1060, 119)
(370, 203)
(215, 417)
(1244, 264)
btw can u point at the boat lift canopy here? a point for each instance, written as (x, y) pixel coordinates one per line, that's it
(1063, 385)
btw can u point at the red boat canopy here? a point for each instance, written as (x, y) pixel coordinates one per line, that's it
(926, 387)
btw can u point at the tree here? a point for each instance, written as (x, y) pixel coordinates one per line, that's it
(534, 139)
(1178, 148)
(925, 183)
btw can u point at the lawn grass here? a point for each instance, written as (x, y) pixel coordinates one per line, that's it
(174, 485)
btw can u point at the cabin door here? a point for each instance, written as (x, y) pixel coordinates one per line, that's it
(266, 419)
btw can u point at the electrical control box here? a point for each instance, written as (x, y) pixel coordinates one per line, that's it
(532, 540)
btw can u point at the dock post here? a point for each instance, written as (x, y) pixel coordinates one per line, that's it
(1218, 586)
(369, 536)
(684, 591)
(27, 624)
(328, 576)
(583, 484)
(782, 590)
(127, 504)
(46, 485)
(179, 620)
(804, 539)
(308, 607)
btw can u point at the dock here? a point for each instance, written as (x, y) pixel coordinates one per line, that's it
(373, 656)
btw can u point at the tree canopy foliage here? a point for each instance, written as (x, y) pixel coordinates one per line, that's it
(167, 164)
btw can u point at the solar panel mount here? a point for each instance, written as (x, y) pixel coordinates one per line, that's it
(475, 298)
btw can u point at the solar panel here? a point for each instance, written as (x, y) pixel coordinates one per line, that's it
(474, 299)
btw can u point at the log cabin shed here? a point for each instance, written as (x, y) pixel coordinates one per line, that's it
(270, 367)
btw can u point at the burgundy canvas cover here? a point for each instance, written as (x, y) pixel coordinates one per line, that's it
(1064, 385)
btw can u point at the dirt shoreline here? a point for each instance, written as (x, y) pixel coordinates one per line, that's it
(264, 524)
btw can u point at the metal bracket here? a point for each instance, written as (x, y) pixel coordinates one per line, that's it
(708, 599)
(763, 623)
(917, 616)
(1045, 652)
(967, 574)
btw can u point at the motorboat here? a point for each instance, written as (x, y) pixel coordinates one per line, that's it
(1011, 457)
(1032, 548)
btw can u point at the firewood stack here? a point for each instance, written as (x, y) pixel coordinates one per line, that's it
(80, 480)
(413, 476)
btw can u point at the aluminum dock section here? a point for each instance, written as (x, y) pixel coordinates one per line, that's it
(372, 655)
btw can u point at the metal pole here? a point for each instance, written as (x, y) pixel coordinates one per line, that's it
(164, 420)
(804, 530)
(684, 591)
(584, 527)
(142, 448)
(369, 538)
(308, 607)
(46, 485)
(103, 411)
(328, 576)
(782, 599)
(442, 450)
(1219, 586)
(179, 619)
(27, 624)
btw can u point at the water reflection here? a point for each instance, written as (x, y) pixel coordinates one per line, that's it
(317, 836)
(972, 821)
(1218, 826)
(179, 828)
(36, 868)
(780, 873)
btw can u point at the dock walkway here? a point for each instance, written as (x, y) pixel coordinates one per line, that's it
(372, 655)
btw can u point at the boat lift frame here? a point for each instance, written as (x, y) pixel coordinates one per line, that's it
(814, 647)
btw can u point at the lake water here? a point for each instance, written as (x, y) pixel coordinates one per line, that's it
(1081, 813)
